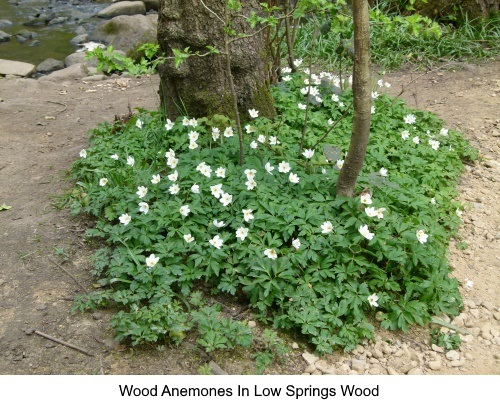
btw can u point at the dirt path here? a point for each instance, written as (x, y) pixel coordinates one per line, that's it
(43, 126)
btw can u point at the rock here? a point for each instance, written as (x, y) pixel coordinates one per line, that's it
(79, 39)
(457, 363)
(452, 355)
(415, 371)
(24, 35)
(392, 371)
(126, 33)
(10, 67)
(377, 353)
(309, 358)
(475, 313)
(324, 367)
(36, 42)
(97, 316)
(5, 23)
(72, 72)
(252, 324)
(50, 65)
(459, 320)
(79, 57)
(295, 345)
(4, 37)
(471, 304)
(316, 372)
(311, 368)
(123, 8)
(40, 20)
(80, 30)
(57, 20)
(375, 370)
(358, 365)
(437, 349)
(488, 305)
(435, 365)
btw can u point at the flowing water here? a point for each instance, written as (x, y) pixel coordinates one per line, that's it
(54, 39)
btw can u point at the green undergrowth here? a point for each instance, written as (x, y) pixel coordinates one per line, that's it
(179, 216)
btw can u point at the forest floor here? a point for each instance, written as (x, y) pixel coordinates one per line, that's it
(43, 126)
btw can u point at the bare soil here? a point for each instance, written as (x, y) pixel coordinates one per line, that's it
(43, 126)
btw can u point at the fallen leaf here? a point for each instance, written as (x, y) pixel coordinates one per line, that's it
(5, 207)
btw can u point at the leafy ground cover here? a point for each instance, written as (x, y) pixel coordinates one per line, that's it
(179, 216)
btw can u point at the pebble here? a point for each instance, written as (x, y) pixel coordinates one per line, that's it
(452, 355)
(457, 363)
(436, 348)
(415, 371)
(435, 365)
(310, 368)
(309, 358)
(295, 345)
(378, 354)
(475, 313)
(252, 324)
(392, 371)
(375, 371)
(316, 372)
(471, 304)
(324, 367)
(488, 305)
(358, 365)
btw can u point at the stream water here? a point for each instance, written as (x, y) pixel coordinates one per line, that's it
(54, 40)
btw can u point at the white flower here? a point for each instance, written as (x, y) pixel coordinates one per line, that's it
(185, 121)
(380, 83)
(251, 184)
(125, 219)
(363, 230)
(220, 172)
(206, 171)
(468, 284)
(172, 162)
(388, 85)
(374, 95)
(293, 178)
(143, 207)
(253, 145)
(261, 138)
(443, 132)
(434, 144)
(228, 132)
(193, 122)
(296, 243)
(372, 109)
(340, 163)
(308, 153)
(380, 213)
(170, 154)
(458, 212)
(268, 167)
(372, 300)
(216, 190)
(335, 98)
(173, 176)
(103, 181)
(301, 106)
(286, 70)
(410, 119)
(326, 227)
(433, 201)
(218, 224)
(174, 189)
(249, 129)
(193, 145)
(138, 123)
(253, 113)
(184, 210)
(83, 153)
(284, 167)
(341, 104)
(271, 253)
(330, 121)
(273, 140)
(169, 125)
(416, 140)
(188, 238)
(242, 233)
(287, 78)
(405, 135)
(130, 160)
(297, 62)
(422, 236)
(247, 215)
(371, 212)
(323, 170)
(366, 199)
(383, 172)
(195, 188)
(250, 173)
(115, 157)
(215, 133)
(155, 179)
(151, 260)
(216, 242)
(142, 191)
(193, 136)
(226, 199)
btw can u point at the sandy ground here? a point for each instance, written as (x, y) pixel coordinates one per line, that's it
(43, 126)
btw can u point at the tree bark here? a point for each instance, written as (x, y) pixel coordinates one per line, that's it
(201, 85)
(362, 101)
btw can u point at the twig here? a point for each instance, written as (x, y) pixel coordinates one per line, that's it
(62, 342)
(69, 274)
(404, 86)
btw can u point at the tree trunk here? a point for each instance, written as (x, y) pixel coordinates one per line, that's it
(361, 85)
(201, 85)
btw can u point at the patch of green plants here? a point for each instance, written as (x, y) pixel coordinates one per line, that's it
(110, 61)
(448, 341)
(177, 212)
(400, 39)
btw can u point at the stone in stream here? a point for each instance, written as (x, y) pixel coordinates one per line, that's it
(4, 37)
(79, 39)
(49, 65)
(123, 8)
(58, 20)
(5, 23)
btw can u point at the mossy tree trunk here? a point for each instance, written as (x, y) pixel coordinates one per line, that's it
(361, 85)
(201, 85)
